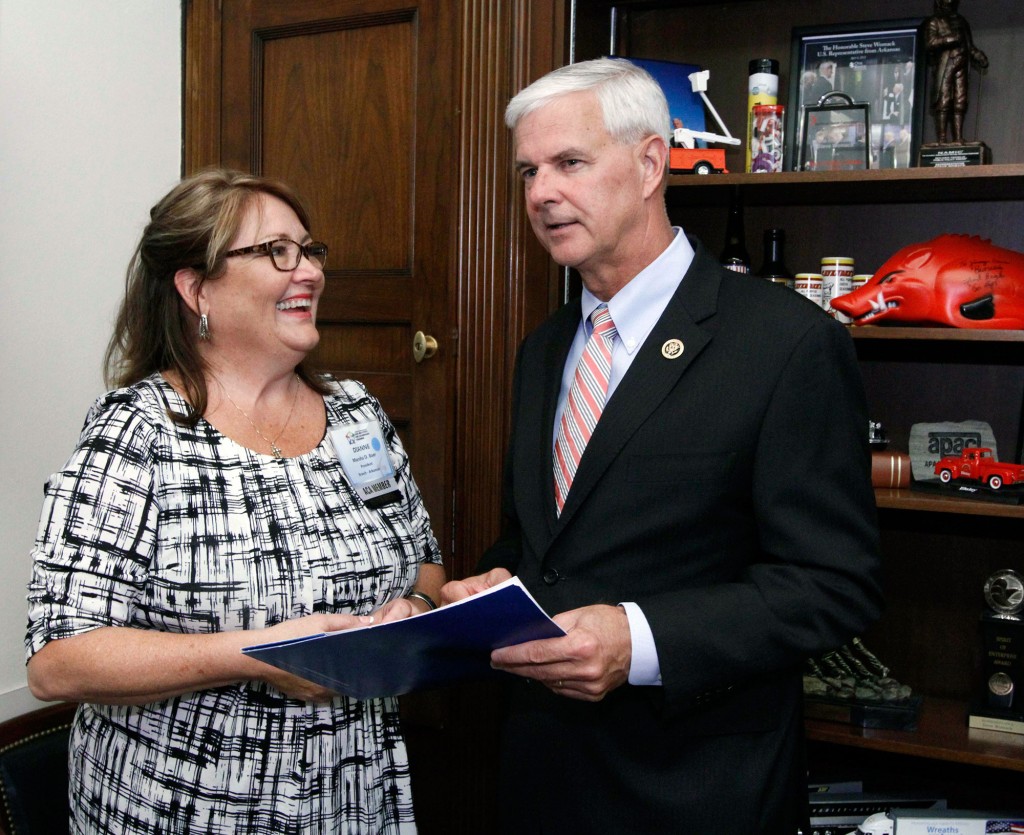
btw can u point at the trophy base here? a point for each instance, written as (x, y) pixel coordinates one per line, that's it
(982, 717)
(999, 703)
(899, 716)
(935, 155)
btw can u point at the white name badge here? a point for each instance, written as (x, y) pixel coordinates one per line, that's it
(364, 457)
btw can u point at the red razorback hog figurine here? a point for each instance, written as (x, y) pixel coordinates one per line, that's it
(959, 280)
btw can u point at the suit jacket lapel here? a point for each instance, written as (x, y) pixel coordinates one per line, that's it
(650, 378)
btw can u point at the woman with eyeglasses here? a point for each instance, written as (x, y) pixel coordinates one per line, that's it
(211, 505)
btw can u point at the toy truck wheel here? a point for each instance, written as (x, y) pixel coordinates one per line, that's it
(995, 481)
(945, 476)
(703, 167)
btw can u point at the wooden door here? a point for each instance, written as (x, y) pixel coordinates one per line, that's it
(351, 102)
(388, 118)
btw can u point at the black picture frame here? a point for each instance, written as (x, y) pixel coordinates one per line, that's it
(834, 135)
(881, 63)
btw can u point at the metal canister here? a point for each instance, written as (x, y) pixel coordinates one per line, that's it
(859, 281)
(837, 280)
(809, 284)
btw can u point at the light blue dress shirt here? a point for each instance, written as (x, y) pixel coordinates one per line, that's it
(635, 310)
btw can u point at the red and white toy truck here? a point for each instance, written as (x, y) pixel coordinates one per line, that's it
(978, 464)
(696, 160)
(685, 158)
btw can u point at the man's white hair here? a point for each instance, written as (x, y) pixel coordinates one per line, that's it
(633, 105)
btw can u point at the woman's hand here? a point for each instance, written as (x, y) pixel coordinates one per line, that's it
(292, 685)
(297, 688)
(428, 582)
(399, 609)
(460, 589)
(308, 625)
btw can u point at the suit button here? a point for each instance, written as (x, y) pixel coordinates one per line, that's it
(551, 576)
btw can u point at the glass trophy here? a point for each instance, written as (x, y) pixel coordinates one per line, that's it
(1000, 703)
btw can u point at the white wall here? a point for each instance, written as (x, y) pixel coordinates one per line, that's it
(90, 138)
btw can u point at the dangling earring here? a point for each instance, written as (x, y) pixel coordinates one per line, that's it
(204, 328)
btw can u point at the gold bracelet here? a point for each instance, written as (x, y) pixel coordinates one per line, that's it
(426, 598)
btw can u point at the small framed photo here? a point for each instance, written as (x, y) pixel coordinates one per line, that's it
(878, 64)
(835, 134)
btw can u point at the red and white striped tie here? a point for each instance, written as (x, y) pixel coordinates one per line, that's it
(585, 403)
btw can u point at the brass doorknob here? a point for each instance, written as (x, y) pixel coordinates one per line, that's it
(424, 346)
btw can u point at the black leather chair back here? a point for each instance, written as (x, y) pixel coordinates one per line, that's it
(34, 772)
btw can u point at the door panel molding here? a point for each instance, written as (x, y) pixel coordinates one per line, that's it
(506, 283)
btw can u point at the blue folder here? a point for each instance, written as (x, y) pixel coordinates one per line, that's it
(450, 644)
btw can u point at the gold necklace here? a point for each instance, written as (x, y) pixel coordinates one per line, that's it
(274, 448)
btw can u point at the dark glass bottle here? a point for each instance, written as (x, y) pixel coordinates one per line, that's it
(773, 267)
(734, 254)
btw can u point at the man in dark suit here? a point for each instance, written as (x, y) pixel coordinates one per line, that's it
(823, 83)
(720, 527)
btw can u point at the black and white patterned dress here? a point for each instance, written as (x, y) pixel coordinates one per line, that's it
(155, 526)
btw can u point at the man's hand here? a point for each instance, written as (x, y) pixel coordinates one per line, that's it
(588, 663)
(459, 589)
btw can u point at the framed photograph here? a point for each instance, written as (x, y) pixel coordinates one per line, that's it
(835, 135)
(685, 107)
(878, 64)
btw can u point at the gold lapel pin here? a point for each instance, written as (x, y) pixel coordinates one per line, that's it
(672, 349)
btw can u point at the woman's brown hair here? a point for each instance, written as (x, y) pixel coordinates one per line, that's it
(190, 228)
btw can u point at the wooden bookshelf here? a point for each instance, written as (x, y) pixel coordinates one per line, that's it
(982, 182)
(937, 549)
(942, 734)
(897, 499)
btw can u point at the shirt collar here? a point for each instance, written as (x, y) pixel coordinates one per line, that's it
(636, 308)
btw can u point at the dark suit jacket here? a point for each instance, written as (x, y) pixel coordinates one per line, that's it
(727, 492)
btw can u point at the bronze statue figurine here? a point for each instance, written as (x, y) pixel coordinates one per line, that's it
(947, 38)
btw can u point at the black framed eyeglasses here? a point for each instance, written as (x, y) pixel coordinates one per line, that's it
(285, 254)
